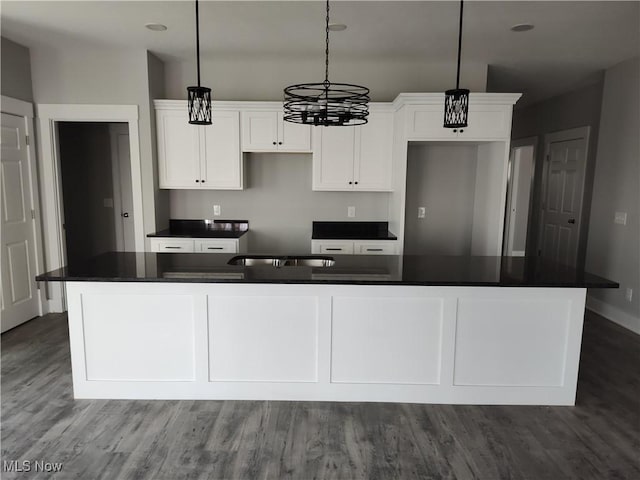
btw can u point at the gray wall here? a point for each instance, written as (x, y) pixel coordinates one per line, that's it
(578, 108)
(263, 78)
(614, 250)
(441, 178)
(155, 75)
(16, 70)
(86, 164)
(279, 203)
(83, 73)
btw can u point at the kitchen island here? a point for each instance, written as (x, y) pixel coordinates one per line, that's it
(458, 330)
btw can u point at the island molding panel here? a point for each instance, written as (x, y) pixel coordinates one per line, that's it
(417, 344)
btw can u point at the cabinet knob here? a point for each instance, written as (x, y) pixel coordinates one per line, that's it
(350, 183)
(355, 183)
(202, 181)
(279, 143)
(461, 130)
(197, 181)
(455, 130)
(274, 143)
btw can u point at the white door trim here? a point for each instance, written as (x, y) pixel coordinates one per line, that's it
(48, 115)
(519, 143)
(13, 106)
(549, 138)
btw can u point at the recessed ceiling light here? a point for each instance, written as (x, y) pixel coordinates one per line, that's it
(156, 27)
(337, 27)
(522, 27)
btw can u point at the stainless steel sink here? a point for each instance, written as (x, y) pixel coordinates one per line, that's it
(285, 261)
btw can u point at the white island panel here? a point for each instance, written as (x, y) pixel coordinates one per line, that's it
(263, 339)
(386, 340)
(511, 342)
(139, 337)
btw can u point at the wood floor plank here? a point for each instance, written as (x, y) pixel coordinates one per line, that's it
(599, 438)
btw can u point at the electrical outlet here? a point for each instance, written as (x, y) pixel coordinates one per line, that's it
(216, 210)
(629, 294)
(351, 212)
(422, 211)
(620, 218)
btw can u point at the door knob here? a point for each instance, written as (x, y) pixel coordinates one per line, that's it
(571, 220)
(125, 214)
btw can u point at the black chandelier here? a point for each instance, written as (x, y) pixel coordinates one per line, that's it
(326, 103)
(199, 98)
(456, 101)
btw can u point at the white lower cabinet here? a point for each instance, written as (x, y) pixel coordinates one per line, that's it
(198, 245)
(355, 247)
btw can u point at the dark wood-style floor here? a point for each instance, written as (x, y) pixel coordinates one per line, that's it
(106, 439)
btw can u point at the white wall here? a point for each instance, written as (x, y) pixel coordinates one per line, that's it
(614, 250)
(264, 78)
(279, 203)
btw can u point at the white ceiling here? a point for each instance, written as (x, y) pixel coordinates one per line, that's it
(571, 42)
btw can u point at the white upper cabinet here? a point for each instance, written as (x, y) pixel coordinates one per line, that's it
(489, 117)
(354, 158)
(221, 157)
(198, 156)
(266, 131)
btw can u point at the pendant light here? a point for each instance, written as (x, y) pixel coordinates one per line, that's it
(456, 101)
(199, 98)
(326, 103)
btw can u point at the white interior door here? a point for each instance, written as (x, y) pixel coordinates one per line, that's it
(122, 191)
(563, 190)
(20, 299)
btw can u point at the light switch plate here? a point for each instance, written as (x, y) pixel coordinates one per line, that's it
(351, 212)
(422, 211)
(216, 210)
(629, 294)
(620, 218)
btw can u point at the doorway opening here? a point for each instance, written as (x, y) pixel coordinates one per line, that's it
(96, 187)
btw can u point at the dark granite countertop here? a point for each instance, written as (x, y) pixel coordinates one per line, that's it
(351, 231)
(204, 229)
(348, 269)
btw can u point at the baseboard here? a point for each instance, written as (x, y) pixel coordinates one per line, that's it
(614, 314)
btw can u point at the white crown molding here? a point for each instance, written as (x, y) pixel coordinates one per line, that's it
(477, 98)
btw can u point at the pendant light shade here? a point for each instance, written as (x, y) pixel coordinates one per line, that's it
(325, 103)
(456, 101)
(199, 98)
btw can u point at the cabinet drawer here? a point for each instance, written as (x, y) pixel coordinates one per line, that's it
(216, 246)
(171, 245)
(332, 247)
(385, 247)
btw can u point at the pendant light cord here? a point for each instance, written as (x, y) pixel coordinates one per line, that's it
(326, 52)
(198, 42)
(459, 45)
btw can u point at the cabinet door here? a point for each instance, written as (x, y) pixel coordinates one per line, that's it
(333, 155)
(216, 246)
(424, 122)
(222, 159)
(260, 131)
(487, 122)
(293, 137)
(373, 164)
(178, 150)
